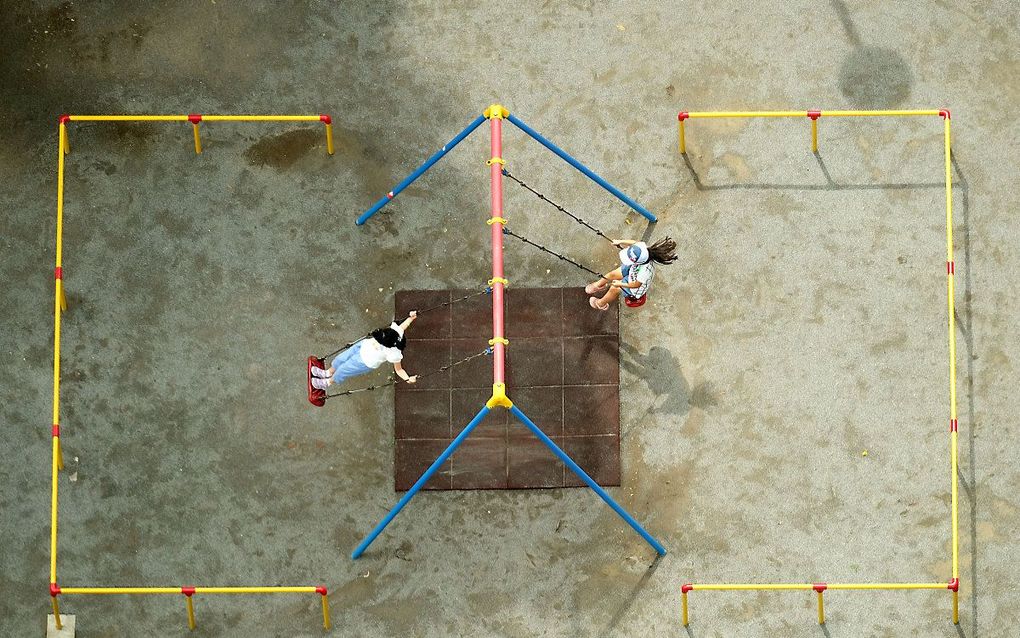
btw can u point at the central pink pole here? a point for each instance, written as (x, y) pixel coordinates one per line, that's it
(496, 175)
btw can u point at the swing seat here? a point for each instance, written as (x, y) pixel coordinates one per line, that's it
(315, 396)
(632, 302)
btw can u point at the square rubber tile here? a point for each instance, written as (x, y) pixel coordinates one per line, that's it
(535, 361)
(544, 406)
(599, 456)
(472, 317)
(476, 373)
(422, 414)
(434, 324)
(425, 357)
(562, 371)
(532, 464)
(480, 464)
(535, 312)
(580, 319)
(591, 360)
(466, 405)
(411, 457)
(592, 409)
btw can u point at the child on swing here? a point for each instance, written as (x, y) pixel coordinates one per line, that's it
(634, 276)
(384, 344)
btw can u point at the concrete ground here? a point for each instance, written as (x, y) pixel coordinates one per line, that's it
(804, 324)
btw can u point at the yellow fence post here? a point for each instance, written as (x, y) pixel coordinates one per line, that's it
(683, 598)
(328, 121)
(680, 125)
(195, 118)
(56, 607)
(188, 592)
(325, 607)
(65, 146)
(814, 115)
(819, 588)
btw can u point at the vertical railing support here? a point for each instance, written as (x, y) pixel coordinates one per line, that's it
(814, 115)
(819, 588)
(188, 593)
(681, 116)
(683, 597)
(195, 118)
(325, 606)
(54, 591)
(328, 121)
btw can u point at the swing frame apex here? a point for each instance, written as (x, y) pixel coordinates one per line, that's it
(497, 111)
(499, 399)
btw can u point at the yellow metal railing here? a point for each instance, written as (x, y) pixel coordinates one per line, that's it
(189, 593)
(60, 305)
(814, 115)
(954, 584)
(196, 118)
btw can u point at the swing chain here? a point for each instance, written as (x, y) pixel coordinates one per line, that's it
(391, 380)
(507, 231)
(485, 291)
(557, 206)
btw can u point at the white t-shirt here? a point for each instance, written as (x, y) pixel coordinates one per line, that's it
(643, 274)
(374, 354)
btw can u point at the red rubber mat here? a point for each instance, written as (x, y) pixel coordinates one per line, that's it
(562, 371)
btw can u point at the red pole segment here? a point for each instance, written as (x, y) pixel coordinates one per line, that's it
(496, 178)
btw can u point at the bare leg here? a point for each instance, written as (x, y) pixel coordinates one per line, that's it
(609, 297)
(598, 286)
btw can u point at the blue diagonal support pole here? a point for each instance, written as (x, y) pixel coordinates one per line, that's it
(420, 483)
(421, 169)
(581, 167)
(576, 469)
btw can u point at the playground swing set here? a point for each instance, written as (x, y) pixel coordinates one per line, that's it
(498, 224)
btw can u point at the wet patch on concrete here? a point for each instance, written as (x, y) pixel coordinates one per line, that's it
(875, 78)
(283, 150)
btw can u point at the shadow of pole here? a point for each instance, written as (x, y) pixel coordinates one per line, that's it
(615, 620)
(966, 327)
(830, 184)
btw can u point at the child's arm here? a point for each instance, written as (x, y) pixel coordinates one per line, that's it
(399, 369)
(410, 319)
(623, 243)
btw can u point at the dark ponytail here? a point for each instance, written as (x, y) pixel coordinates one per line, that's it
(663, 251)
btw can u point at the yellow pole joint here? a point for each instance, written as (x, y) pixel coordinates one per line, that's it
(496, 220)
(499, 280)
(325, 607)
(499, 397)
(65, 146)
(495, 160)
(195, 118)
(495, 111)
(328, 121)
(683, 115)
